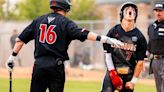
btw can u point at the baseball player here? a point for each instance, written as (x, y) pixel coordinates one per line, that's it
(124, 63)
(52, 34)
(155, 46)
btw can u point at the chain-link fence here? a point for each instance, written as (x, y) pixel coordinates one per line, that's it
(91, 52)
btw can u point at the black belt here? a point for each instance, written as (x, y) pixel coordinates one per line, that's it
(158, 56)
(59, 61)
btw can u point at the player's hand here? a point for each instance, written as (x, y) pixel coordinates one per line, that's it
(116, 80)
(129, 85)
(10, 63)
(112, 41)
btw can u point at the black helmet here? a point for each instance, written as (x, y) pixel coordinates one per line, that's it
(127, 4)
(62, 4)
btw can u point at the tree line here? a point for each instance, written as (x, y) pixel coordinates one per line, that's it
(30, 9)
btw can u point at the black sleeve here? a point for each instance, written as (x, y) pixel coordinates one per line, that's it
(149, 45)
(75, 32)
(148, 32)
(28, 33)
(141, 48)
(107, 47)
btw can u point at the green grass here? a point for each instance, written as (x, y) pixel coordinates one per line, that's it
(23, 85)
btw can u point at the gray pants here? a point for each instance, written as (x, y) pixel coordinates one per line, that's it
(158, 70)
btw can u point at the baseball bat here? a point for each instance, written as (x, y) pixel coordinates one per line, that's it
(10, 81)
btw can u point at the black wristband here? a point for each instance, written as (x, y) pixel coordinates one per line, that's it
(98, 38)
(14, 54)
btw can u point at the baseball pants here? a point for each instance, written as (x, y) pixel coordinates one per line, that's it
(48, 73)
(158, 70)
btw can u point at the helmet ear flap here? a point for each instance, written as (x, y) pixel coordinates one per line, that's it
(121, 16)
(67, 8)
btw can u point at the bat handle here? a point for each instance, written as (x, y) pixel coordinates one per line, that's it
(10, 90)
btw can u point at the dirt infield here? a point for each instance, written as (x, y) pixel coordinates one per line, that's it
(71, 74)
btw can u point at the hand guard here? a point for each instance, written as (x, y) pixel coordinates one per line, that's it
(111, 41)
(10, 63)
(116, 80)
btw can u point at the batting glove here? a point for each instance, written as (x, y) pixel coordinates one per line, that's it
(116, 80)
(10, 63)
(111, 41)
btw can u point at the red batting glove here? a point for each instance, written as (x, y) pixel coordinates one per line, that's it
(116, 80)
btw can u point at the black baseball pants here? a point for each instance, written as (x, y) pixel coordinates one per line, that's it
(48, 73)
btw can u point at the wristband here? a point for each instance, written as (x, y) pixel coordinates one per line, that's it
(14, 54)
(134, 80)
(98, 38)
(103, 39)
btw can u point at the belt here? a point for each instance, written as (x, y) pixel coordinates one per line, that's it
(158, 57)
(58, 61)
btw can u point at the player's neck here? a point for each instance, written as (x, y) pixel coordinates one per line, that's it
(127, 25)
(61, 12)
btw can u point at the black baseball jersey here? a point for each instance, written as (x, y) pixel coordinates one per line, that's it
(52, 34)
(156, 38)
(133, 50)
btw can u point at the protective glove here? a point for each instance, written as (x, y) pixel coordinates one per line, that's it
(111, 41)
(10, 63)
(116, 80)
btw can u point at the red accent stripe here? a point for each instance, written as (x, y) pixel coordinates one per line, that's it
(53, 3)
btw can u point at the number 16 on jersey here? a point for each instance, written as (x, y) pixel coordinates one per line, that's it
(47, 34)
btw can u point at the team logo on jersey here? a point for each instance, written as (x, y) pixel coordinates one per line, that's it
(127, 51)
(134, 38)
(126, 46)
(129, 45)
(50, 19)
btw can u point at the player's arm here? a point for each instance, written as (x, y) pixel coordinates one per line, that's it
(104, 39)
(115, 79)
(137, 71)
(140, 55)
(82, 34)
(26, 36)
(17, 47)
(138, 68)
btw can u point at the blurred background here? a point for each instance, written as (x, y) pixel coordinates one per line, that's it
(96, 15)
